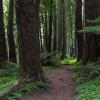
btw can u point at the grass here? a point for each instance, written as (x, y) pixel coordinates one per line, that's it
(69, 61)
(8, 73)
(46, 68)
(87, 87)
(89, 90)
(5, 83)
(28, 86)
(87, 80)
(8, 76)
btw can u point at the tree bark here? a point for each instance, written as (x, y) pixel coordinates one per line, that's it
(59, 35)
(90, 38)
(63, 30)
(11, 42)
(28, 28)
(78, 26)
(3, 48)
(55, 28)
(46, 31)
(97, 8)
(49, 48)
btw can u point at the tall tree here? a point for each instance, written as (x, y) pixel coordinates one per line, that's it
(97, 11)
(61, 38)
(63, 30)
(3, 49)
(90, 39)
(46, 30)
(28, 28)
(49, 48)
(59, 34)
(78, 25)
(11, 42)
(55, 26)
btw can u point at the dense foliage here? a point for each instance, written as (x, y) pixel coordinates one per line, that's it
(87, 79)
(37, 35)
(50, 59)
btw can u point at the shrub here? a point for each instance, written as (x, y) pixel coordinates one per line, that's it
(87, 79)
(89, 90)
(50, 59)
(28, 86)
(8, 75)
(68, 61)
(86, 72)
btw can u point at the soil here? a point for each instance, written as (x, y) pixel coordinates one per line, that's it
(61, 87)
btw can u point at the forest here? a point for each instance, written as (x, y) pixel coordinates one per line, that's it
(49, 49)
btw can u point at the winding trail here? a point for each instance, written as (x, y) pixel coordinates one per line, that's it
(62, 86)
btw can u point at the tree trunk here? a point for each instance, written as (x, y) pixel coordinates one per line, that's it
(55, 28)
(78, 25)
(41, 39)
(46, 31)
(28, 28)
(49, 48)
(97, 8)
(59, 35)
(3, 48)
(90, 38)
(11, 42)
(63, 30)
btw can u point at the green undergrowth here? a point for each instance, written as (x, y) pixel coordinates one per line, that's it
(68, 61)
(8, 75)
(87, 81)
(28, 86)
(89, 90)
(47, 68)
(53, 59)
(50, 59)
(5, 83)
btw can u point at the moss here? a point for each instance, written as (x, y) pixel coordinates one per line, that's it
(69, 61)
(8, 75)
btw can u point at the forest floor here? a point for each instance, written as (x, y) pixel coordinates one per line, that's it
(61, 86)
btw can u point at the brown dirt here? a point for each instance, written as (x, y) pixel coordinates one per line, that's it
(62, 86)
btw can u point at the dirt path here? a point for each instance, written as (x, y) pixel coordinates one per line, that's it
(62, 86)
